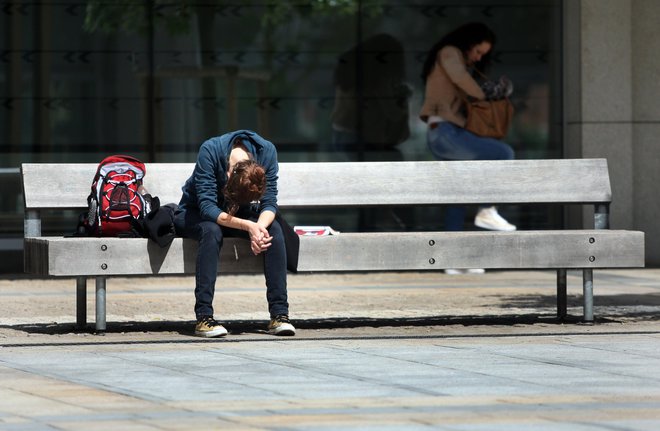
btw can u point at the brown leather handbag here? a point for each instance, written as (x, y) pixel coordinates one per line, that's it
(489, 118)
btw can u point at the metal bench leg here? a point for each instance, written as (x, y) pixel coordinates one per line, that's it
(100, 304)
(81, 302)
(588, 293)
(561, 294)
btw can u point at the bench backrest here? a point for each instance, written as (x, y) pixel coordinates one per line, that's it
(354, 184)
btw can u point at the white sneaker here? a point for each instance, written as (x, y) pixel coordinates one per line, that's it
(456, 271)
(476, 271)
(489, 218)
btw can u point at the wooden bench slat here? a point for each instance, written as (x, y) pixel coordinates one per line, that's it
(455, 182)
(356, 184)
(495, 250)
(351, 252)
(64, 186)
(58, 256)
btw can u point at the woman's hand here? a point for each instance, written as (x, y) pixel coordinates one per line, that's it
(260, 239)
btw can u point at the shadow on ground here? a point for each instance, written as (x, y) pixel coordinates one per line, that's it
(543, 301)
(625, 308)
(258, 326)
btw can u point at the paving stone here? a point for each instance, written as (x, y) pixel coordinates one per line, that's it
(389, 367)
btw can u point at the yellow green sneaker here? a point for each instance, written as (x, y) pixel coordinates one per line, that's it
(280, 325)
(208, 327)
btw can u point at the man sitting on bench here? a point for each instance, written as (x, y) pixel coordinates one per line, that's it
(233, 192)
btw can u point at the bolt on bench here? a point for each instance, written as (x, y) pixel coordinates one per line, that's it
(351, 184)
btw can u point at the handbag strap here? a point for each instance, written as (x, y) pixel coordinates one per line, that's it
(462, 93)
(480, 73)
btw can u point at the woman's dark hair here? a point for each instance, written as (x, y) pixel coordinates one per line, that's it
(463, 38)
(247, 183)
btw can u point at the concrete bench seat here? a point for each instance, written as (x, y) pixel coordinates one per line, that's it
(354, 184)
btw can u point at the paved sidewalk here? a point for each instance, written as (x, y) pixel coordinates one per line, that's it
(399, 351)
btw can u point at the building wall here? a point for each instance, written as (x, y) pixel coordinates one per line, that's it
(611, 109)
(645, 62)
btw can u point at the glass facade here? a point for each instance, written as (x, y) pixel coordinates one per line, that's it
(80, 80)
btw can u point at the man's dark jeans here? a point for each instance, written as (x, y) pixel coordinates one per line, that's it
(209, 235)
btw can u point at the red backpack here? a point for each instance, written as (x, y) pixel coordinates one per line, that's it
(115, 204)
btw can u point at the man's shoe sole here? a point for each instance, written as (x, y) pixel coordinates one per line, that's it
(211, 334)
(282, 332)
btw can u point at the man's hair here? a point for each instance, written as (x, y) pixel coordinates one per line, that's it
(247, 183)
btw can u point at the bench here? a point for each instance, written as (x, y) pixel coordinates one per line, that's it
(351, 184)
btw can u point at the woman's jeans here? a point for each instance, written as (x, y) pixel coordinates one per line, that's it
(209, 235)
(450, 142)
